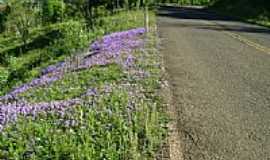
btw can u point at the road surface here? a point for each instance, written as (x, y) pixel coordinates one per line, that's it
(219, 69)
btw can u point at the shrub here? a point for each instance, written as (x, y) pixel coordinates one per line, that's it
(75, 37)
(21, 18)
(53, 11)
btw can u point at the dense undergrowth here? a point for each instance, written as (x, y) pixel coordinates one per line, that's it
(97, 104)
(257, 11)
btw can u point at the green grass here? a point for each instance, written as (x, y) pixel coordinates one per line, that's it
(3, 76)
(126, 122)
(105, 130)
(11, 41)
(22, 67)
(75, 84)
(105, 127)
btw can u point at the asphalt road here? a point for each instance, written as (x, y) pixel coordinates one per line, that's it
(219, 70)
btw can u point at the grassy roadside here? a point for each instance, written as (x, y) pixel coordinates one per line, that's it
(73, 37)
(120, 114)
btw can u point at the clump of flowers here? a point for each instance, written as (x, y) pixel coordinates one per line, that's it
(113, 48)
(11, 111)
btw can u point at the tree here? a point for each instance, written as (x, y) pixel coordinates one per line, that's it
(53, 10)
(21, 18)
(86, 9)
(4, 10)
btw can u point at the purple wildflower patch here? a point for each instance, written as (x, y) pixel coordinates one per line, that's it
(43, 80)
(114, 48)
(11, 111)
(105, 51)
(53, 68)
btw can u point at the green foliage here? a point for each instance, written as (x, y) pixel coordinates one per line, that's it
(53, 11)
(104, 129)
(26, 66)
(20, 18)
(4, 10)
(255, 11)
(3, 18)
(75, 84)
(132, 19)
(75, 37)
(72, 38)
(186, 2)
(117, 124)
(3, 76)
(106, 126)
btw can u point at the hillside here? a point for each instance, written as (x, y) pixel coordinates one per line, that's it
(80, 80)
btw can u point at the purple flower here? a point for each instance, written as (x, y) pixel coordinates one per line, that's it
(91, 92)
(107, 50)
(129, 61)
(53, 68)
(113, 48)
(43, 80)
(11, 111)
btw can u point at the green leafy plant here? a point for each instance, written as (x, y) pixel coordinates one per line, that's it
(53, 11)
(21, 18)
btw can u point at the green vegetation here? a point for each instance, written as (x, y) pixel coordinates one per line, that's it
(35, 34)
(186, 2)
(53, 43)
(122, 117)
(74, 84)
(105, 129)
(257, 11)
(24, 64)
(254, 11)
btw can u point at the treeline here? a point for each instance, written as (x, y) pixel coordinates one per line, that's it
(256, 9)
(19, 17)
(37, 33)
(39, 12)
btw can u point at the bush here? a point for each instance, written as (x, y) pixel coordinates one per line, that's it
(53, 11)
(75, 38)
(21, 18)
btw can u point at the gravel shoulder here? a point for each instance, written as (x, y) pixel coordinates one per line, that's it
(221, 87)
